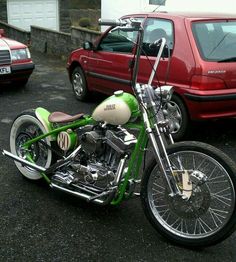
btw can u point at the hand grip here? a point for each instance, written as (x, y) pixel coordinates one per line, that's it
(111, 22)
(156, 43)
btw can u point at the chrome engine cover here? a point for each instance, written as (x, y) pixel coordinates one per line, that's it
(97, 162)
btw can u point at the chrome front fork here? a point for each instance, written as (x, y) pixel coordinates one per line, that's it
(158, 147)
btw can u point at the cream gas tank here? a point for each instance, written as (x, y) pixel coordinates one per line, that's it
(117, 109)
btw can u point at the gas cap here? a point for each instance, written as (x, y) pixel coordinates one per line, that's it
(118, 93)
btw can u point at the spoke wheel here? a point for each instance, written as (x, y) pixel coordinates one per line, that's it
(207, 216)
(25, 127)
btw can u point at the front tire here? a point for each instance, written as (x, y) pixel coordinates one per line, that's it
(20, 83)
(79, 84)
(26, 126)
(208, 216)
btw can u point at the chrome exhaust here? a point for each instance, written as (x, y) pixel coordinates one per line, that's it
(23, 161)
(89, 198)
(93, 199)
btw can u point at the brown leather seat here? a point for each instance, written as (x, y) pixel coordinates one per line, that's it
(60, 117)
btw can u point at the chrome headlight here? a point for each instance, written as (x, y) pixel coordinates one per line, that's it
(165, 91)
(20, 54)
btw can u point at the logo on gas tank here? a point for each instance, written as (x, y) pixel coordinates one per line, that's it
(110, 107)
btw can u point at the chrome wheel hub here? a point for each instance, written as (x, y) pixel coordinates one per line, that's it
(78, 84)
(173, 114)
(37, 151)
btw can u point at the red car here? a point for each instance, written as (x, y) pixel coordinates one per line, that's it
(200, 62)
(16, 64)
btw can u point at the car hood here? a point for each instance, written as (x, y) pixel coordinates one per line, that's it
(9, 43)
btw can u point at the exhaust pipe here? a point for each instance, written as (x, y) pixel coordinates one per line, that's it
(84, 196)
(94, 199)
(23, 161)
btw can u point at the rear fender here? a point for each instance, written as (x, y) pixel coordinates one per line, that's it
(42, 115)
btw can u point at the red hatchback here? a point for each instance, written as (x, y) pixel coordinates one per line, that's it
(200, 62)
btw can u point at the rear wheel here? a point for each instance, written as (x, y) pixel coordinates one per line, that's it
(26, 126)
(205, 214)
(175, 111)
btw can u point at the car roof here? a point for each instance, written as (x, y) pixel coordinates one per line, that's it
(188, 15)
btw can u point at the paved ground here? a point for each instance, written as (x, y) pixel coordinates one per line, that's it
(37, 224)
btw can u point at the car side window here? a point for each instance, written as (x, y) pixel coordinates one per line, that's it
(118, 41)
(154, 29)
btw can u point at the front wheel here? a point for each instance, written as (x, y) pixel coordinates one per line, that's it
(20, 83)
(25, 127)
(79, 84)
(205, 214)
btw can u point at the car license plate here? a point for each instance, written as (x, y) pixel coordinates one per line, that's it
(5, 70)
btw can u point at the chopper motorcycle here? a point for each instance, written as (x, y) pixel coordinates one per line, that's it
(187, 188)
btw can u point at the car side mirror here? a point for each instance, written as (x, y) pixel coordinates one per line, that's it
(88, 46)
(2, 32)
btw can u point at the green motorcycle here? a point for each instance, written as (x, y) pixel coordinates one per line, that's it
(187, 189)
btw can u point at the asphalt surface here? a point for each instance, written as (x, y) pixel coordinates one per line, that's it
(38, 224)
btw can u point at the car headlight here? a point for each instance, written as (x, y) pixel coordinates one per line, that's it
(20, 54)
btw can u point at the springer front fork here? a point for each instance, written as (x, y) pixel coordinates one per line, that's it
(160, 153)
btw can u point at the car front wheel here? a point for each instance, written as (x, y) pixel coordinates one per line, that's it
(79, 84)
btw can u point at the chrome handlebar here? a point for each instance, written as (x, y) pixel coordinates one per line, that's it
(112, 22)
(130, 24)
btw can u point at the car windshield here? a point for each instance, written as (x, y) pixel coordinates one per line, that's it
(216, 40)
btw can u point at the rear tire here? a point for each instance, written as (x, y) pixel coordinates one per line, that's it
(175, 111)
(208, 216)
(25, 127)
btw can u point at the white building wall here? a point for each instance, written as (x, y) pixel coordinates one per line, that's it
(209, 6)
(117, 8)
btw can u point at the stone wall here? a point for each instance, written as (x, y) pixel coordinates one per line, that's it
(50, 41)
(16, 33)
(92, 14)
(71, 17)
(3, 10)
(59, 43)
(85, 4)
(70, 14)
(64, 16)
(79, 35)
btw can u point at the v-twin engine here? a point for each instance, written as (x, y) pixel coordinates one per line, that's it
(96, 165)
